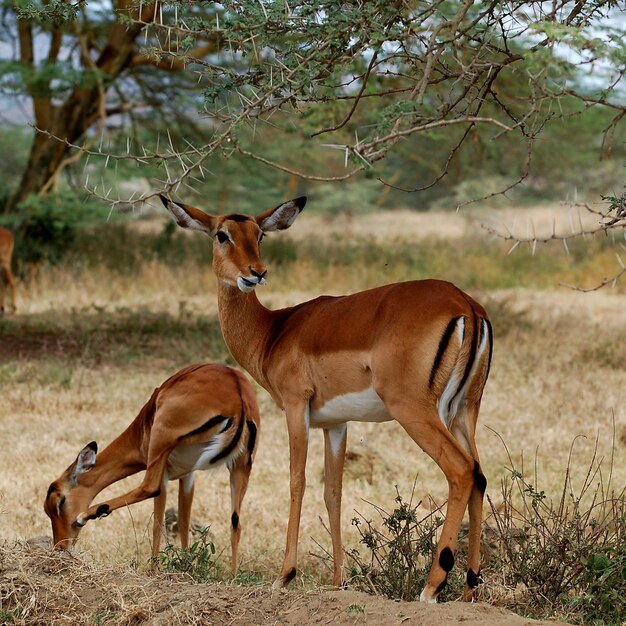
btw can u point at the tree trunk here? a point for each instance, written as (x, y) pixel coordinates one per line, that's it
(69, 122)
(44, 160)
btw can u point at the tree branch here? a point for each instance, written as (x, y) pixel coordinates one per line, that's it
(55, 45)
(25, 33)
(177, 62)
(356, 100)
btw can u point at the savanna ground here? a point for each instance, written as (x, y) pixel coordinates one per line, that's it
(96, 334)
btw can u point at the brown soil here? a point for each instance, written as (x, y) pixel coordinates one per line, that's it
(40, 587)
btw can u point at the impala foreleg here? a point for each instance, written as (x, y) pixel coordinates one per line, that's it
(239, 476)
(298, 428)
(433, 437)
(11, 281)
(334, 456)
(149, 488)
(7, 279)
(186, 488)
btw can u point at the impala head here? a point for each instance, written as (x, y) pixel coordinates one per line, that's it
(66, 499)
(237, 238)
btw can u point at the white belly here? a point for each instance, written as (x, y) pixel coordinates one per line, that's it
(185, 459)
(359, 406)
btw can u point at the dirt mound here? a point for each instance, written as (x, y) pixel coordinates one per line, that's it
(40, 587)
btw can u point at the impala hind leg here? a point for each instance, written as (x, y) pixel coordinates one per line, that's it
(158, 523)
(475, 508)
(427, 430)
(463, 430)
(298, 427)
(186, 488)
(239, 477)
(7, 280)
(334, 456)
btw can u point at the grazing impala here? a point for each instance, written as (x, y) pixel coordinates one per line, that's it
(418, 352)
(6, 252)
(202, 416)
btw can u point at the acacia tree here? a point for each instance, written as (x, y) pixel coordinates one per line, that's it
(362, 79)
(367, 77)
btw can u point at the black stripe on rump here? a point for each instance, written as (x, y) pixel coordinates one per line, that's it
(470, 361)
(214, 421)
(472, 354)
(251, 439)
(443, 345)
(232, 444)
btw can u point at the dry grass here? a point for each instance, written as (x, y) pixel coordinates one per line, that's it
(558, 373)
(56, 590)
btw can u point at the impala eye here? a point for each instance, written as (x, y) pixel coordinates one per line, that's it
(222, 237)
(261, 237)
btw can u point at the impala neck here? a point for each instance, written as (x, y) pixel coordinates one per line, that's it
(121, 458)
(246, 325)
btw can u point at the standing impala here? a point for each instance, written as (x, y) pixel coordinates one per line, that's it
(7, 278)
(417, 352)
(201, 417)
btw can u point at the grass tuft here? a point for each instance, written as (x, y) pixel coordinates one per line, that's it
(541, 556)
(569, 555)
(198, 561)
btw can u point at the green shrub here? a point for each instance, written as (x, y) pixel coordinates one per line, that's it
(546, 558)
(198, 561)
(399, 553)
(346, 198)
(46, 226)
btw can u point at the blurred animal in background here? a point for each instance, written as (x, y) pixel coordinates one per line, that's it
(7, 279)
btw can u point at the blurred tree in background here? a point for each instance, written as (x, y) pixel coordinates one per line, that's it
(436, 102)
(80, 65)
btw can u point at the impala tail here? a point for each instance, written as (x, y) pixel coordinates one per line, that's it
(461, 366)
(253, 423)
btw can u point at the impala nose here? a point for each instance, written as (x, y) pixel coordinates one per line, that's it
(260, 275)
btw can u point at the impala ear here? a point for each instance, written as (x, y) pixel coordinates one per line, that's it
(188, 216)
(85, 460)
(282, 216)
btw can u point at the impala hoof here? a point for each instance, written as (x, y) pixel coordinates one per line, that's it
(283, 581)
(426, 598)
